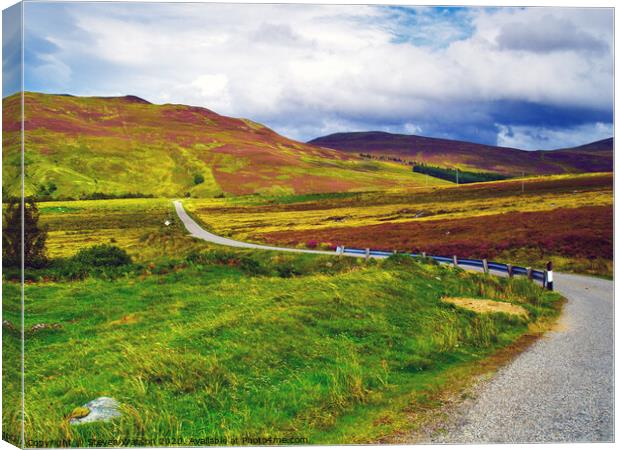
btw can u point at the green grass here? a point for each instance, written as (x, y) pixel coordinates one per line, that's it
(209, 348)
(89, 147)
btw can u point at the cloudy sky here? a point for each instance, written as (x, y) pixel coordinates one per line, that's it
(524, 77)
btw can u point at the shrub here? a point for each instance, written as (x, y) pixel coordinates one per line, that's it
(287, 270)
(103, 255)
(399, 259)
(252, 266)
(312, 244)
(34, 235)
(199, 179)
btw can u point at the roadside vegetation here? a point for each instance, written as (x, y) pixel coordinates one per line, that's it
(220, 343)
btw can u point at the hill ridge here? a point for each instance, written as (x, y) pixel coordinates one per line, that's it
(89, 147)
(471, 155)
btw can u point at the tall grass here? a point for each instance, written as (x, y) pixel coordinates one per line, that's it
(227, 344)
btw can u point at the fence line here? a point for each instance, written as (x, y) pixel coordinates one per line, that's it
(545, 277)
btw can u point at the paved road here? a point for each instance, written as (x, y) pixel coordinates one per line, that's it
(559, 390)
(197, 231)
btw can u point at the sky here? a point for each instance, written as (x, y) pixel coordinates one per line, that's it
(532, 78)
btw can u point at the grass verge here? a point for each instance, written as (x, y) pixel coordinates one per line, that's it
(234, 344)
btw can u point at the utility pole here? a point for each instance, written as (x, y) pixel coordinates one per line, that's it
(522, 182)
(457, 176)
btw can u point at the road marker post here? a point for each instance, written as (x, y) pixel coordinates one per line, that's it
(423, 254)
(367, 255)
(529, 273)
(549, 276)
(509, 270)
(455, 261)
(485, 266)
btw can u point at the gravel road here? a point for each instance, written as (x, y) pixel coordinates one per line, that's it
(559, 390)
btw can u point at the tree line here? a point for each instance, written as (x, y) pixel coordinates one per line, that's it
(463, 176)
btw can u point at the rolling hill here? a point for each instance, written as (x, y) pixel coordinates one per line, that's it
(81, 147)
(593, 157)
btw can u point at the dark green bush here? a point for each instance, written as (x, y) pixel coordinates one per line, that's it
(34, 235)
(199, 179)
(400, 260)
(103, 255)
(253, 266)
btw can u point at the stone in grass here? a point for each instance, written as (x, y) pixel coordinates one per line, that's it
(100, 409)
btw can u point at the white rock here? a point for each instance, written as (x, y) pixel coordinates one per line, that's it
(102, 408)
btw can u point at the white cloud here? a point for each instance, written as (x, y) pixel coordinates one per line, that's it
(307, 68)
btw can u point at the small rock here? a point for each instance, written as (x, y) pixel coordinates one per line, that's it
(8, 325)
(45, 326)
(102, 408)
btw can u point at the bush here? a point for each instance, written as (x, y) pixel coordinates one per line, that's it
(199, 179)
(103, 255)
(253, 267)
(399, 260)
(34, 235)
(312, 244)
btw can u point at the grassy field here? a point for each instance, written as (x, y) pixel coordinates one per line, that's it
(222, 345)
(566, 219)
(200, 343)
(136, 225)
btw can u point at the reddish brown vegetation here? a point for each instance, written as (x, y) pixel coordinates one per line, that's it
(577, 232)
(594, 157)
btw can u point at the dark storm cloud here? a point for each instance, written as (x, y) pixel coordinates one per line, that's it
(548, 34)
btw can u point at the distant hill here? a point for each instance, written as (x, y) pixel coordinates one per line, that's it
(81, 147)
(593, 157)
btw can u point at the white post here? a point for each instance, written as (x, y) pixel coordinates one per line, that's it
(367, 253)
(549, 276)
(485, 266)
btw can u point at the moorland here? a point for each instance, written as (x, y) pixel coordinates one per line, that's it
(198, 341)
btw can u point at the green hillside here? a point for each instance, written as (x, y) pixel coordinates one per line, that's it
(90, 147)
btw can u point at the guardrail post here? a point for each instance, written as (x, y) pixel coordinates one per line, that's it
(485, 266)
(367, 253)
(549, 276)
(509, 269)
(455, 261)
(529, 273)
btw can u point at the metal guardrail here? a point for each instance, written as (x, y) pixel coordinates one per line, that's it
(545, 277)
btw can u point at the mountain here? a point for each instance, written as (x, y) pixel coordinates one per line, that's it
(594, 157)
(80, 147)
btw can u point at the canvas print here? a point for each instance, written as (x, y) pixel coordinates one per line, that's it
(295, 224)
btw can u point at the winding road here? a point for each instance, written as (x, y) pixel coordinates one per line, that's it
(559, 390)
